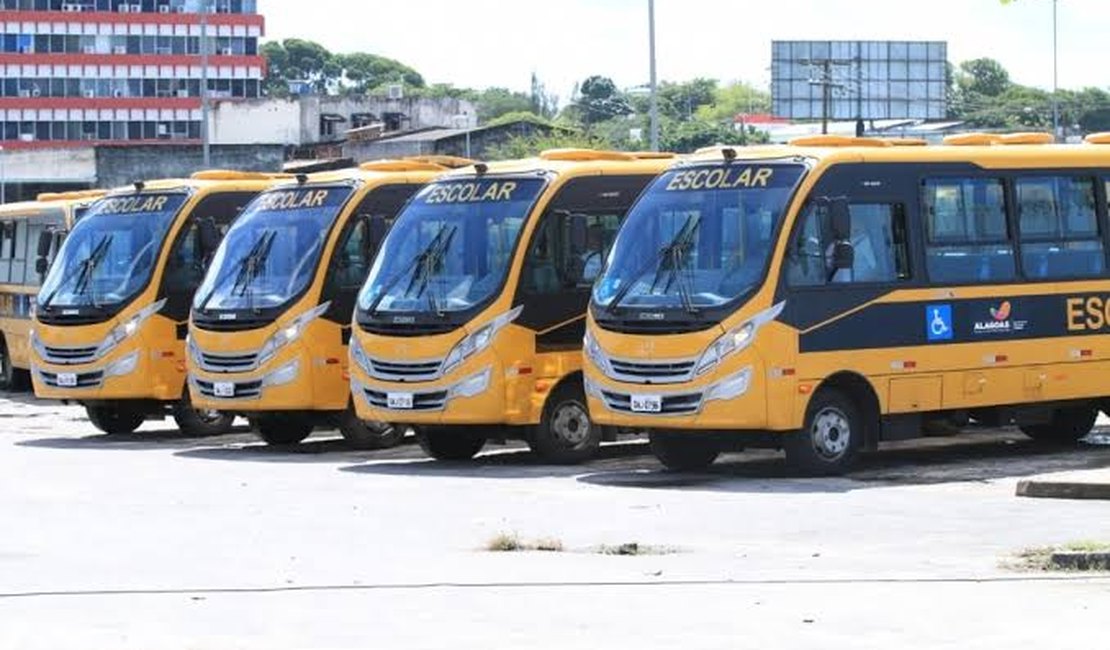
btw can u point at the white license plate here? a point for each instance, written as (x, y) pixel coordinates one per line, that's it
(67, 379)
(647, 403)
(224, 389)
(399, 400)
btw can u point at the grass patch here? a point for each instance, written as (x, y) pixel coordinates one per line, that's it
(1081, 556)
(511, 542)
(634, 548)
(1087, 546)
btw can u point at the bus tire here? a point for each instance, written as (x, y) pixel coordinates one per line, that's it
(200, 422)
(369, 435)
(115, 420)
(450, 443)
(565, 434)
(282, 429)
(11, 378)
(830, 439)
(1067, 427)
(683, 452)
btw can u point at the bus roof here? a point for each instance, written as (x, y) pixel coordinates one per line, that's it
(561, 161)
(386, 168)
(996, 151)
(208, 179)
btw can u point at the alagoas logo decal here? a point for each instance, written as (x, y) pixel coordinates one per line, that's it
(1002, 312)
(1000, 321)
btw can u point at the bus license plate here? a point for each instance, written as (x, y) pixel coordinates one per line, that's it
(647, 403)
(399, 400)
(67, 379)
(224, 389)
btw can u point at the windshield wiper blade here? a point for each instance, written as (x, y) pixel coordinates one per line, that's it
(412, 266)
(252, 268)
(430, 266)
(239, 268)
(83, 271)
(682, 240)
(677, 254)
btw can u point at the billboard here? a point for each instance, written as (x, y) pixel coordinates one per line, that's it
(873, 80)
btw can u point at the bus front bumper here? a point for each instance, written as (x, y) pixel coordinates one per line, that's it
(284, 384)
(124, 375)
(471, 398)
(733, 402)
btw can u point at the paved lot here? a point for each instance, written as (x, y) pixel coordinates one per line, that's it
(159, 541)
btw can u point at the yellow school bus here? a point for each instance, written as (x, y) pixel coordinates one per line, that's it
(271, 322)
(470, 324)
(30, 233)
(112, 314)
(830, 295)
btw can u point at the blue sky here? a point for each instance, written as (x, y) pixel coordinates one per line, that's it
(480, 43)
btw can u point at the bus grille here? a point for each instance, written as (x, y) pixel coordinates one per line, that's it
(225, 363)
(69, 356)
(243, 390)
(84, 380)
(431, 401)
(651, 373)
(403, 372)
(672, 404)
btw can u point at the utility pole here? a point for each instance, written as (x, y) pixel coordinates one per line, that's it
(1055, 71)
(654, 80)
(3, 179)
(827, 84)
(204, 107)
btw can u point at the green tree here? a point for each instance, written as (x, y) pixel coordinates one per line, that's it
(367, 71)
(597, 99)
(735, 99)
(983, 76)
(544, 104)
(495, 102)
(528, 146)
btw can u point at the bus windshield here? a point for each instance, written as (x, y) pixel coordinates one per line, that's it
(450, 249)
(271, 253)
(699, 237)
(111, 253)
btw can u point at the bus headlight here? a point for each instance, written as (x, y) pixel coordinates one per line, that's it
(480, 340)
(123, 366)
(471, 386)
(595, 354)
(732, 342)
(732, 387)
(127, 329)
(37, 345)
(358, 355)
(288, 333)
(283, 375)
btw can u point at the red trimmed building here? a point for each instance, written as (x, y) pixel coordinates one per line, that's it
(87, 72)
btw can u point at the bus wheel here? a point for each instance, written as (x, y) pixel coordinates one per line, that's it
(115, 420)
(450, 443)
(200, 422)
(282, 429)
(369, 435)
(831, 437)
(565, 434)
(10, 377)
(1067, 427)
(683, 452)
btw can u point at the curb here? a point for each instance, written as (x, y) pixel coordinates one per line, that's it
(1080, 561)
(1063, 490)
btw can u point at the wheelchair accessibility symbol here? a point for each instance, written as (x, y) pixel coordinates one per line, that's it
(938, 322)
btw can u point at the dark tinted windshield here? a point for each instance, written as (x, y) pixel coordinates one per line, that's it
(699, 237)
(450, 249)
(111, 253)
(271, 253)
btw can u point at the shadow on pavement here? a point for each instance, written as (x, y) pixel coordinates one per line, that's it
(314, 450)
(154, 439)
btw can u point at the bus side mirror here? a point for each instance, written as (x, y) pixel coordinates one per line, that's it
(844, 256)
(209, 236)
(46, 240)
(840, 219)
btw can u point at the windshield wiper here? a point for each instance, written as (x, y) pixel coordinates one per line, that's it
(239, 267)
(252, 267)
(428, 268)
(83, 272)
(676, 255)
(675, 249)
(412, 267)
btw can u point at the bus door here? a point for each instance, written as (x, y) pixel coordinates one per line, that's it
(566, 255)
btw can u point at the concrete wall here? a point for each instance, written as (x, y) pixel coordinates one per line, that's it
(296, 121)
(48, 165)
(122, 165)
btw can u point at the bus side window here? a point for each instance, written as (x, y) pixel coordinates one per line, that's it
(879, 243)
(352, 261)
(967, 236)
(1059, 227)
(7, 232)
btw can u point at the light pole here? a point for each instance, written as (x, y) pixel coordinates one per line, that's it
(204, 109)
(3, 179)
(654, 84)
(1055, 70)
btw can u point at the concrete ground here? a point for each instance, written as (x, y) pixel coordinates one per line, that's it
(159, 541)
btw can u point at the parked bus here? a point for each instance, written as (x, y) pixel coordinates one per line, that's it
(271, 322)
(111, 320)
(831, 295)
(30, 233)
(470, 324)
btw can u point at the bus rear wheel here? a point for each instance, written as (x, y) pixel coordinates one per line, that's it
(369, 435)
(1067, 426)
(830, 439)
(565, 434)
(683, 452)
(450, 443)
(11, 378)
(115, 420)
(282, 429)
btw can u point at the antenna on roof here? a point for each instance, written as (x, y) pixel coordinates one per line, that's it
(302, 179)
(140, 186)
(481, 168)
(729, 154)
